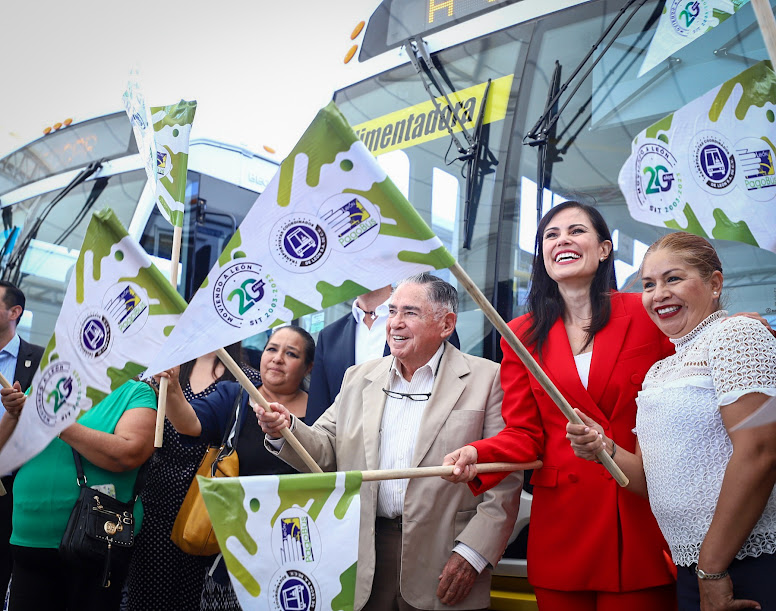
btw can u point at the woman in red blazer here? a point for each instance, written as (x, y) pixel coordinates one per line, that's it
(592, 545)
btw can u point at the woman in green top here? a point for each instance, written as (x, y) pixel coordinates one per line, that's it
(114, 438)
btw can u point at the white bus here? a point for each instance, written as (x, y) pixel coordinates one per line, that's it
(49, 189)
(482, 195)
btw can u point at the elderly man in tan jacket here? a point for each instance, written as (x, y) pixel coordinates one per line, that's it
(423, 543)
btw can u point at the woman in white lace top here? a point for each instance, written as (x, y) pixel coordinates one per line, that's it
(710, 487)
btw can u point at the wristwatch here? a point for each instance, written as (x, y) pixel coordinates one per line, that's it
(704, 575)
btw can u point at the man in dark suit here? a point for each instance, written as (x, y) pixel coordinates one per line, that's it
(19, 361)
(351, 340)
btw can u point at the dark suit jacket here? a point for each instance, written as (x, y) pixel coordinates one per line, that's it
(334, 353)
(27, 363)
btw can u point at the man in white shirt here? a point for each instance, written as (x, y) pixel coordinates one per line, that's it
(423, 543)
(355, 338)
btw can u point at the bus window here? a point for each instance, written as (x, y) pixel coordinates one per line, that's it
(397, 165)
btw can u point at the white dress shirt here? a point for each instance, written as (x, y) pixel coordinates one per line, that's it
(370, 342)
(398, 437)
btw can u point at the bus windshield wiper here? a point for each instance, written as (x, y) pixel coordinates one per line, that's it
(471, 152)
(12, 271)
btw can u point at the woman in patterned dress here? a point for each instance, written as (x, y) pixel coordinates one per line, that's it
(161, 576)
(286, 361)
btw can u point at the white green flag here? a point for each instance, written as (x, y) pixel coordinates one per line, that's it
(162, 136)
(172, 128)
(682, 22)
(708, 168)
(117, 310)
(290, 542)
(330, 226)
(140, 119)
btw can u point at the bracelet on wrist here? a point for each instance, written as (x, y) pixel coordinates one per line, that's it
(710, 576)
(614, 449)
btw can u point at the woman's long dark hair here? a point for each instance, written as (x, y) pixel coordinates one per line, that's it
(544, 299)
(234, 350)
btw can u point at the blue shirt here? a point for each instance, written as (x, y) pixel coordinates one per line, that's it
(8, 356)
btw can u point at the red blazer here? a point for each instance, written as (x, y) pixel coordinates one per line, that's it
(586, 533)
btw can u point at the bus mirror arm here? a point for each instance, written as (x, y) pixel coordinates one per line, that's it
(471, 152)
(416, 50)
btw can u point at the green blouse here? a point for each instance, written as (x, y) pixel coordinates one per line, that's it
(45, 489)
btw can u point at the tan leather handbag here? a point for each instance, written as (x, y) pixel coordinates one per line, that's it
(193, 531)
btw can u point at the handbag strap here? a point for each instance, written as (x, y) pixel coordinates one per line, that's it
(230, 433)
(229, 441)
(140, 480)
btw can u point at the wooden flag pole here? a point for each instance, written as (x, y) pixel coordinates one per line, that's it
(240, 376)
(493, 467)
(531, 364)
(161, 407)
(767, 23)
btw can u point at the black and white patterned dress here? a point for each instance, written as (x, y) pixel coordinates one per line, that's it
(161, 576)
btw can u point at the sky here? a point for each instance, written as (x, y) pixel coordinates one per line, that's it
(259, 70)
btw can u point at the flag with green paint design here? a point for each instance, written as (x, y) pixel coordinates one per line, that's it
(117, 310)
(172, 127)
(290, 542)
(330, 226)
(682, 22)
(162, 136)
(708, 168)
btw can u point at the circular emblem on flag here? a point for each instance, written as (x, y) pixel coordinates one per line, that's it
(658, 186)
(352, 221)
(689, 18)
(93, 334)
(58, 394)
(293, 590)
(713, 163)
(299, 243)
(244, 295)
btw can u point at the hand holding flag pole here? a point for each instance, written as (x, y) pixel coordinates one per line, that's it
(532, 366)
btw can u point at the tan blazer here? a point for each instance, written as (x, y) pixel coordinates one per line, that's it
(465, 405)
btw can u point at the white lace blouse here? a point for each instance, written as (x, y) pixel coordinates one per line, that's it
(683, 440)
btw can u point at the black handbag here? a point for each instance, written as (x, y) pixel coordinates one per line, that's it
(101, 529)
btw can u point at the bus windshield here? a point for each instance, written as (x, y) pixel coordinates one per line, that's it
(518, 51)
(47, 206)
